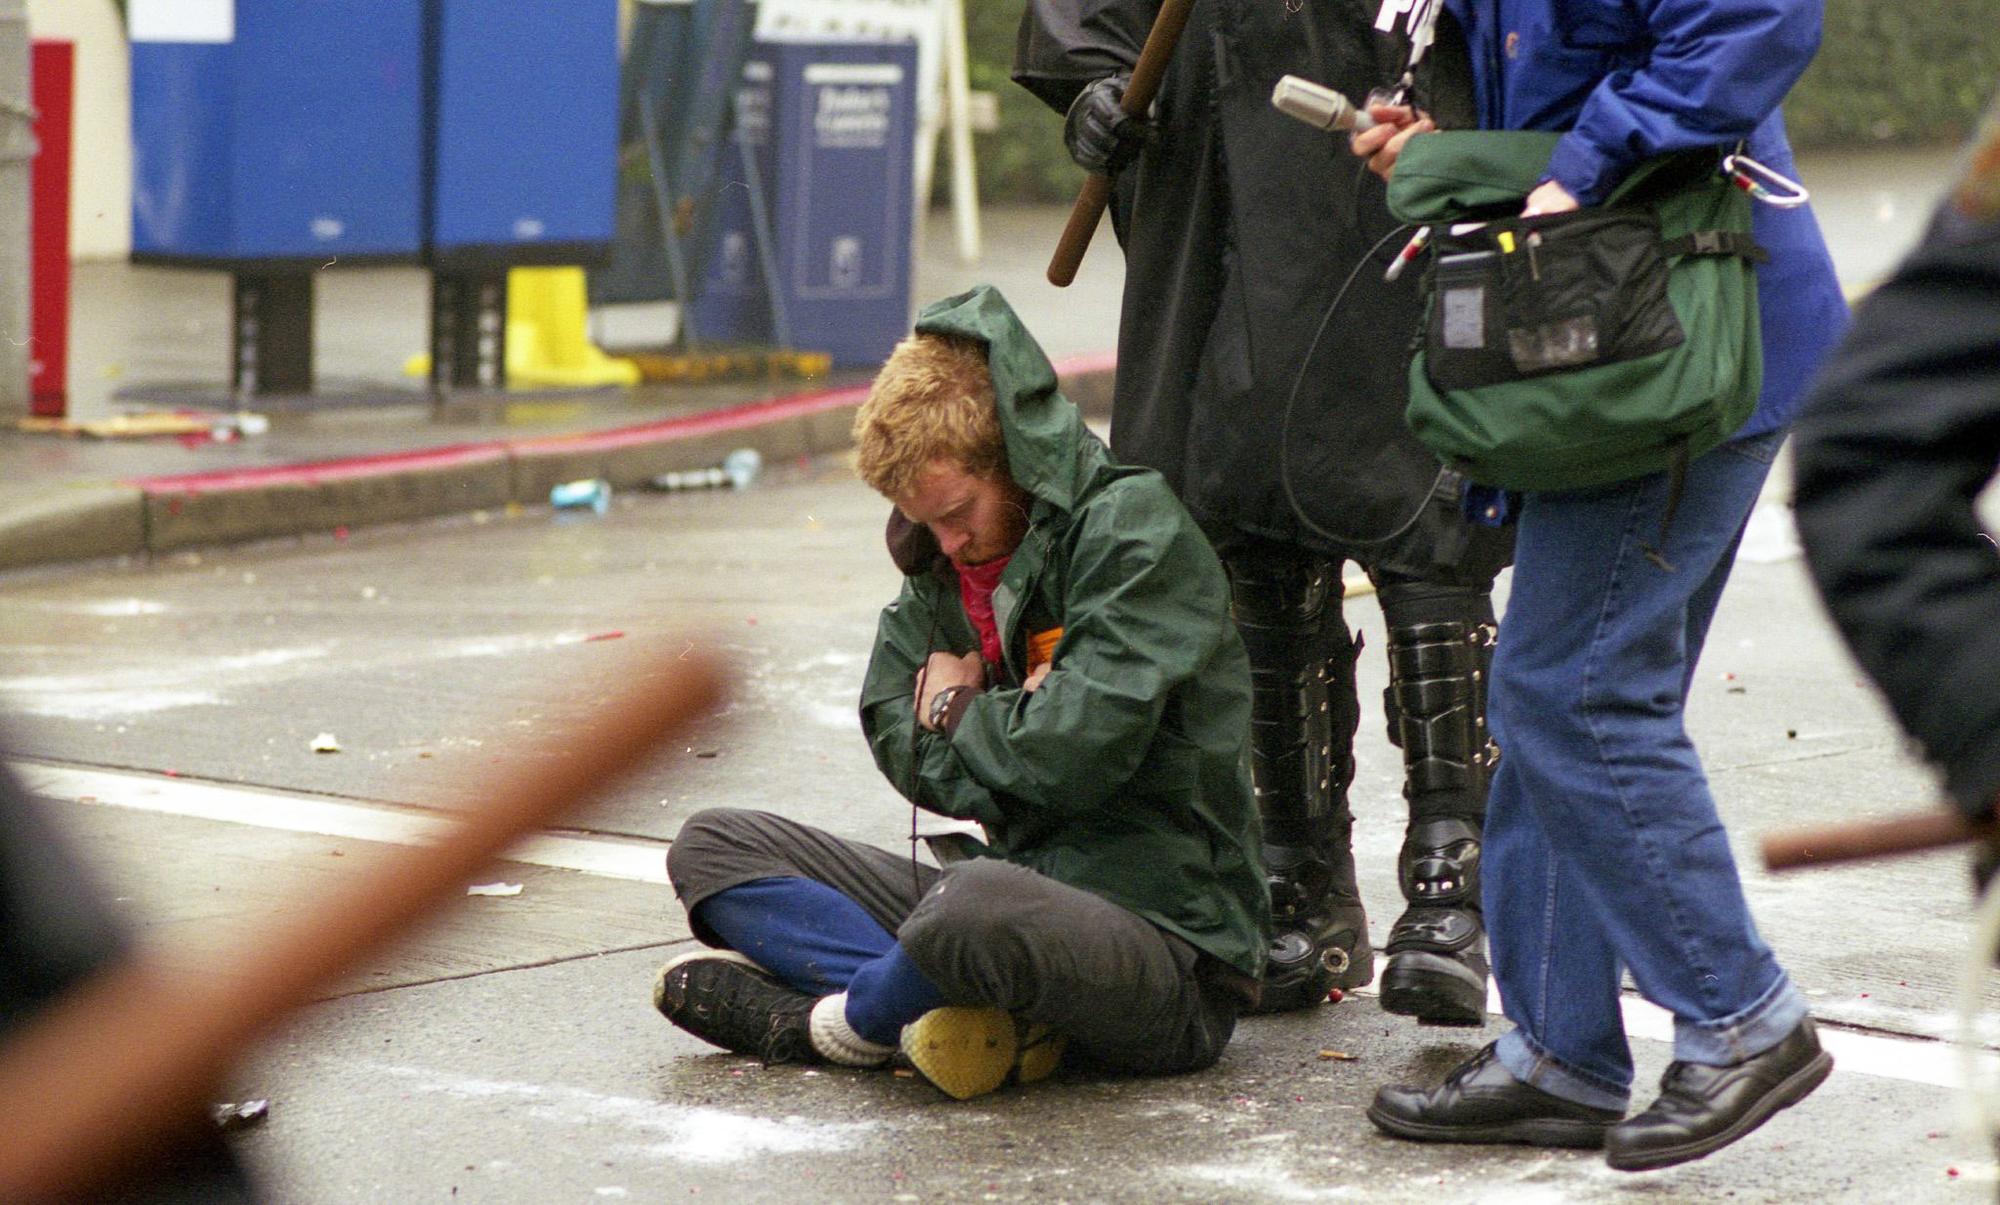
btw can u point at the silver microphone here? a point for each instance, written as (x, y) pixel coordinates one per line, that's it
(1318, 106)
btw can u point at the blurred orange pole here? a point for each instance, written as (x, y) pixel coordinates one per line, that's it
(117, 1065)
(1909, 834)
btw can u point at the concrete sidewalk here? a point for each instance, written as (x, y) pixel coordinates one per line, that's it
(511, 1053)
(160, 334)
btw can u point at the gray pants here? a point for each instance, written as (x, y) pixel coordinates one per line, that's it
(1129, 996)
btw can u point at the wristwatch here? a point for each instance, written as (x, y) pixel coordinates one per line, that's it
(941, 705)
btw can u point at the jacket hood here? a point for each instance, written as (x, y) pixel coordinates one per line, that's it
(1050, 453)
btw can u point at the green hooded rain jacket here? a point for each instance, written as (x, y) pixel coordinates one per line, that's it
(1125, 774)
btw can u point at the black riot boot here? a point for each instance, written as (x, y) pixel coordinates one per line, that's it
(1440, 648)
(1302, 720)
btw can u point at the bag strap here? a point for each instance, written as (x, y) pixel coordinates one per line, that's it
(1717, 242)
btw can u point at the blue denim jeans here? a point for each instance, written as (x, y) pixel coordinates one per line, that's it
(1603, 852)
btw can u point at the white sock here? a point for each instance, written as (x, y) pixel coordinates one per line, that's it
(833, 1037)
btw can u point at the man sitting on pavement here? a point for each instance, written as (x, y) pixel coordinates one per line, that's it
(1059, 667)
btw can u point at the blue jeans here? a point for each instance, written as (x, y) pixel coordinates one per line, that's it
(1603, 852)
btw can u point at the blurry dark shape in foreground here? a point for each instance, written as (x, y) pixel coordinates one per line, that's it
(109, 1059)
(1892, 452)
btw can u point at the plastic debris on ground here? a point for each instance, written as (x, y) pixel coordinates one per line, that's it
(201, 426)
(241, 1115)
(591, 493)
(737, 471)
(325, 742)
(494, 889)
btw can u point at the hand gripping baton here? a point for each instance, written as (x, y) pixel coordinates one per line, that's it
(1139, 93)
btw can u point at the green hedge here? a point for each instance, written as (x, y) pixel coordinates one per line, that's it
(1917, 72)
(1920, 71)
(1024, 160)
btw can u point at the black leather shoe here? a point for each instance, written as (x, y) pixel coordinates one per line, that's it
(1481, 1101)
(1702, 1109)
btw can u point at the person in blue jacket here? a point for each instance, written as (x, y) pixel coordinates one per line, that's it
(1604, 851)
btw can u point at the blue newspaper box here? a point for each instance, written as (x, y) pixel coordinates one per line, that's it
(832, 128)
(527, 131)
(732, 302)
(274, 131)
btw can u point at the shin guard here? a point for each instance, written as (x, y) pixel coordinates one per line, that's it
(1440, 648)
(1303, 717)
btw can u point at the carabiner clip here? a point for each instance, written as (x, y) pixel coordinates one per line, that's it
(1763, 184)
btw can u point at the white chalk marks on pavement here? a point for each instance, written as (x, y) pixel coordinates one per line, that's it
(1888, 1056)
(621, 858)
(681, 1133)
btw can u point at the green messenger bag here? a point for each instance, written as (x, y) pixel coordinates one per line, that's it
(1578, 349)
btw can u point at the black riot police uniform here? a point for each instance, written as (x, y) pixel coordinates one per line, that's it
(1279, 423)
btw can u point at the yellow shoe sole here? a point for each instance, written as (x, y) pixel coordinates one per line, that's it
(1041, 1053)
(968, 1052)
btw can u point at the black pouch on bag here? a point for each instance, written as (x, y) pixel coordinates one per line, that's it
(1526, 296)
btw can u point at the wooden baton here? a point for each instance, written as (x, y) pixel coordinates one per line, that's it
(1096, 191)
(1914, 833)
(115, 1067)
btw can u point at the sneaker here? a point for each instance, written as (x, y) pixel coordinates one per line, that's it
(726, 1000)
(968, 1052)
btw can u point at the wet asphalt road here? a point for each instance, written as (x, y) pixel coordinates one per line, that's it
(510, 1054)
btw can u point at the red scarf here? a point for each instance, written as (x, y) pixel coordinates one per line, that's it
(975, 592)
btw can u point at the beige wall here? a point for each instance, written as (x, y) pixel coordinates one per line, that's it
(101, 181)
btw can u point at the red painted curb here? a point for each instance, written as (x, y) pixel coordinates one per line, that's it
(735, 418)
(317, 471)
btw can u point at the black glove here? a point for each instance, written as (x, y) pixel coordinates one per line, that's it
(1100, 135)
